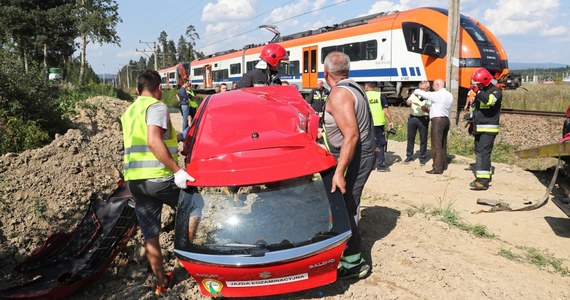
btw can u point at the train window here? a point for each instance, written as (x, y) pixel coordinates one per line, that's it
(423, 40)
(220, 75)
(352, 50)
(305, 61)
(313, 61)
(235, 68)
(198, 72)
(367, 50)
(289, 68)
(474, 31)
(371, 50)
(294, 67)
(325, 51)
(250, 65)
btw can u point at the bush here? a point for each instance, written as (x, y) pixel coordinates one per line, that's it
(29, 106)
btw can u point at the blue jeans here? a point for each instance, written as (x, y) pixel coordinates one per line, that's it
(185, 111)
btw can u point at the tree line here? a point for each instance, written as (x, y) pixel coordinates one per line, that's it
(34, 36)
(168, 53)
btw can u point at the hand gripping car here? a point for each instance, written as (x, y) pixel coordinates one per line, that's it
(260, 218)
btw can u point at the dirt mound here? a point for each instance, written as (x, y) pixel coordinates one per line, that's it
(413, 254)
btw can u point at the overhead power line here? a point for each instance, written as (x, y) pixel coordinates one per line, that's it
(287, 19)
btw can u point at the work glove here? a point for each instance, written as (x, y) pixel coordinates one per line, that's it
(181, 177)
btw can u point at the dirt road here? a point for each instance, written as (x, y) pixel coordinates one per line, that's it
(414, 254)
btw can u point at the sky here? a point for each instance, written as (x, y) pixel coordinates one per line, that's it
(530, 31)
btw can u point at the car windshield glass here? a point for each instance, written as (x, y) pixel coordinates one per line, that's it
(246, 219)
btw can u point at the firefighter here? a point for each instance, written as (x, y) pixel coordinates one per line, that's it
(265, 72)
(380, 116)
(485, 119)
(317, 98)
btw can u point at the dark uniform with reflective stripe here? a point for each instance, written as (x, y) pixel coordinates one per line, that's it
(486, 116)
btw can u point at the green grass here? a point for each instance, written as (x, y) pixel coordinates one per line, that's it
(540, 259)
(546, 97)
(39, 207)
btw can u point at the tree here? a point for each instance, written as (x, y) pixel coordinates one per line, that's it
(38, 31)
(183, 54)
(97, 21)
(171, 53)
(192, 36)
(163, 42)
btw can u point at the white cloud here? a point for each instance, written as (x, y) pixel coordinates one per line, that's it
(228, 10)
(523, 17)
(385, 6)
(290, 10)
(555, 31)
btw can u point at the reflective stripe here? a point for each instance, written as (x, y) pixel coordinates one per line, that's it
(143, 164)
(142, 148)
(487, 128)
(486, 105)
(483, 174)
(351, 261)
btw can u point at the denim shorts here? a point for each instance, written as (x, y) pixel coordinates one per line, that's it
(150, 195)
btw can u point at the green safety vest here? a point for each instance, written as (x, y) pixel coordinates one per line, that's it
(193, 103)
(376, 108)
(139, 161)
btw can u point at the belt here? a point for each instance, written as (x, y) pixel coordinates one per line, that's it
(439, 118)
(412, 116)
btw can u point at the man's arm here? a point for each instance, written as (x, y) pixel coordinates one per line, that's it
(158, 147)
(341, 107)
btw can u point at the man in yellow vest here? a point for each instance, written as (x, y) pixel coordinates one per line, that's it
(380, 112)
(151, 166)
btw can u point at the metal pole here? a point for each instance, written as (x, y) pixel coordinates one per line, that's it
(452, 68)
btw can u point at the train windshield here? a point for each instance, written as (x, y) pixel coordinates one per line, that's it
(474, 31)
(248, 219)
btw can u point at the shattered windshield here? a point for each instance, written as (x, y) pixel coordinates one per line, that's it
(255, 219)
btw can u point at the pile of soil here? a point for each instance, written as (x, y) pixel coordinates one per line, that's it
(413, 253)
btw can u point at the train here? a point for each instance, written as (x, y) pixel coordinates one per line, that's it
(172, 77)
(396, 50)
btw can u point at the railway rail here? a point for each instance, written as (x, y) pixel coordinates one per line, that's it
(532, 112)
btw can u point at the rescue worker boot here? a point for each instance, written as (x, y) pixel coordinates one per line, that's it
(478, 186)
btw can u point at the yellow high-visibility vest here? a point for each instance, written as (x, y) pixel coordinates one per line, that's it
(193, 103)
(139, 161)
(378, 116)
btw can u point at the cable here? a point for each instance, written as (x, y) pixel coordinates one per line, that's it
(293, 17)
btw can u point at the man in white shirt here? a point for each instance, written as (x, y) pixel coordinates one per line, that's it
(440, 102)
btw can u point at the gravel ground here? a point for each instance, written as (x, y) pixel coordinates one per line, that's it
(47, 190)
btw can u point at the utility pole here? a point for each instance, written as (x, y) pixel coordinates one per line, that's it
(153, 50)
(452, 68)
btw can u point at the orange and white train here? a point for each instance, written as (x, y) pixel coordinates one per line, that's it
(396, 50)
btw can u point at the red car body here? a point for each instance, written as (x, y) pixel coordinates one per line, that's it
(284, 231)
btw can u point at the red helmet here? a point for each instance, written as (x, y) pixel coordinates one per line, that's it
(482, 76)
(273, 54)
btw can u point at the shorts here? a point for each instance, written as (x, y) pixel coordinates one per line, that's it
(150, 195)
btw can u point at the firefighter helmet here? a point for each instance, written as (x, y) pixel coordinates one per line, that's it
(482, 76)
(273, 54)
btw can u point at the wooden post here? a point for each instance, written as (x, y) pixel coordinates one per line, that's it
(452, 68)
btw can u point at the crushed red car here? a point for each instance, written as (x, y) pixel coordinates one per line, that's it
(260, 218)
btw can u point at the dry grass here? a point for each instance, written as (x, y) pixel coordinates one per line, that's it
(546, 97)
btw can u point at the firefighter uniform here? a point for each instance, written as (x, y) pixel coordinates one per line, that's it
(317, 99)
(486, 115)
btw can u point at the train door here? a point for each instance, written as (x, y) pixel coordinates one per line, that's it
(310, 67)
(207, 81)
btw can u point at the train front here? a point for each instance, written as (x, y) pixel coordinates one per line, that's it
(260, 219)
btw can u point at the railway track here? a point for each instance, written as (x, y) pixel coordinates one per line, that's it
(532, 112)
